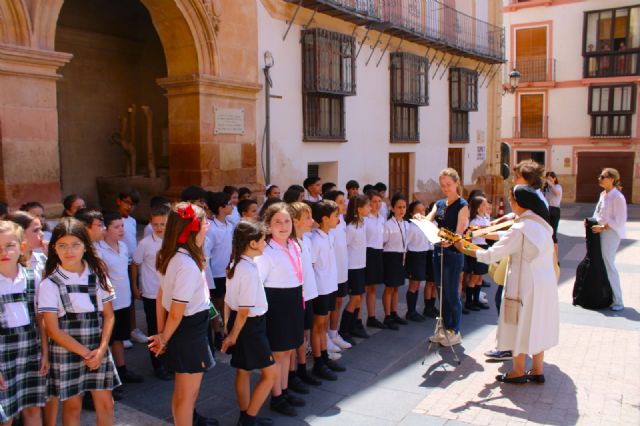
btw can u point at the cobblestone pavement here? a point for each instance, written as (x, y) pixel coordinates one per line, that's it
(592, 375)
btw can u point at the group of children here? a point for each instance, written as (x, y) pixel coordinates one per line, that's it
(284, 276)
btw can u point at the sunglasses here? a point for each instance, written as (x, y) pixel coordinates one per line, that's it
(604, 177)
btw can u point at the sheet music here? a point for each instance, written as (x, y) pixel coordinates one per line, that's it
(428, 229)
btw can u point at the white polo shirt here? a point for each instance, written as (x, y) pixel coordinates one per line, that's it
(145, 256)
(118, 269)
(245, 289)
(276, 270)
(356, 245)
(339, 234)
(324, 262)
(184, 283)
(17, 314)
(416, 240)
(49, 295)
(396, 235)
(375, 230)
(220, 237)
(309, 286)
(130, 231)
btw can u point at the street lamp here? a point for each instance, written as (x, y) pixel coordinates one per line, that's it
(268, 59)
(514, 82)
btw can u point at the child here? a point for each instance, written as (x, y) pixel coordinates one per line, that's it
(248, 209)
(272, 192)
(303, 224)
(325, 214)
(33, 238)
(247, 339)
(280, 268)
(313, 185)
(145, 256)
(328, 187)
(232, 192)
(36, 209)
(357, 254)
(478, 207)
(76, 289)
(219, 238)
(393, 256)
(24, 362)
(153, 203)
(182, 308)
(244, 193)
(94, 222)
(293, 194)
(382, 190)
(113, 252)
(339, 234)
(374, 224)
(72, 203)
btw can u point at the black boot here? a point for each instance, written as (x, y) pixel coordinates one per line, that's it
(357, 328)
(412, 301)
(345, 326)
(469, 304)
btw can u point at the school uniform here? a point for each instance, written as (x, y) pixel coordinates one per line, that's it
(326, 271)
(148, 230)
(374, 226)
(38, 262)
(78, 299)
(244, 290)
(395, 247)
(339, 234)
(471, 264)
(234, 218)
(221, 236)
(419, 260)
(20, 350)
(130, 232)
(183, 282)
(118, 270)
(357, 257)
(281, 270)
(309, 287)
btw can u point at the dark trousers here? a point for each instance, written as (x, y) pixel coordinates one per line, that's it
(450, 281)
(498, 298)
(152, 329)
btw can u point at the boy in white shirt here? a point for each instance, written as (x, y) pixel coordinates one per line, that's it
(147, 290)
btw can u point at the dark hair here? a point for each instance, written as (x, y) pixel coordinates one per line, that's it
(243, 190)
(245, 232)
(373, 193)
(292, 195)
(310, 181)
(4, 209)
(110, 216)
(159, 200)
(271, 211)
(474, 205)
(367, 188)
(21, 218)
(130, 193)
(322, 209)
(352, 210)
(160, 210)
(545, 187)
(296, 187)
(394, 200)
(411, 209)
(380, 187)
(229, 189)
(73, 227)
(193, 193)
(353, 184)
(475, 193)
(31, 205)
(67, 202)
(268, 203)
(216, 201)
(531, 172)
(87, 216)
(333, 195)
(328, 186)
(243, 205)
(170, 245)
(269, 189)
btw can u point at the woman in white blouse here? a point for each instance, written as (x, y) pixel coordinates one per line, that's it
(611, 214)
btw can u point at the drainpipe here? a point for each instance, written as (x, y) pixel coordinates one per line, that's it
(268, 63)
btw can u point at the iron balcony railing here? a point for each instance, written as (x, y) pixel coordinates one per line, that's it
(530, 127)
(535, 69)
(611, 64)
(427, 22)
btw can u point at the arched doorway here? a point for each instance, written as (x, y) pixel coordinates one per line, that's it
(117, 58)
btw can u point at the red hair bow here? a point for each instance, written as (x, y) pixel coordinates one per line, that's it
(193, 226)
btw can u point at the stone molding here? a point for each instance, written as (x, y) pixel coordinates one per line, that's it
(202, 84)
(35, 63)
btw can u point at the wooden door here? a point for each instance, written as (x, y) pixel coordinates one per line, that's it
(531, 54)
(455, 161)
(590, 164)
(398, 174)
(531, 115)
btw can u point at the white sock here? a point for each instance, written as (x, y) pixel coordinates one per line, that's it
(333, 334)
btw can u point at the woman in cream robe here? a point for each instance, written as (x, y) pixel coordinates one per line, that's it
(530, 277)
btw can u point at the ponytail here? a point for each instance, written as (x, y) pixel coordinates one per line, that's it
(244, 233)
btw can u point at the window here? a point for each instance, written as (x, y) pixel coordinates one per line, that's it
(611, 108)
(459, 126)
(463, 89)
(328, 75)
(409, 90)
(611, 43)
(399, 174)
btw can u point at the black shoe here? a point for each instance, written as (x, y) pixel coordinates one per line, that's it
(87, 402)
(323, 372)
(296, 385)
(307, 378)
(292, 399)
(430, 312)
(117, 394)
(358, 330)
(390, 323)
(163, 374)
(199, 420)
(471, 306)
(280, 405)
(414, 316)
(399, 320)
(128, 376)
(374, 322)
(485, 284)
(481, 305)
(334, 366)
(520, 380)
(465, 311)
(535, 378)
(264, 421)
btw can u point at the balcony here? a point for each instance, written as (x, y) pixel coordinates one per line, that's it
(535, 69)
(611, 64)
(427, 22)
(535, 127)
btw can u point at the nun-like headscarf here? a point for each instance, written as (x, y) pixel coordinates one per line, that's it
(528, 198)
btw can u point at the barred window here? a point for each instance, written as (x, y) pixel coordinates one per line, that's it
(611, 109)
(328, 62)
(323, 116)
(459, 127)
(404, 123)
(463, 89)
(409, 79)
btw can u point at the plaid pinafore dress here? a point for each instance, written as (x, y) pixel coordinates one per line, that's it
(69, 376)
(20, 355)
